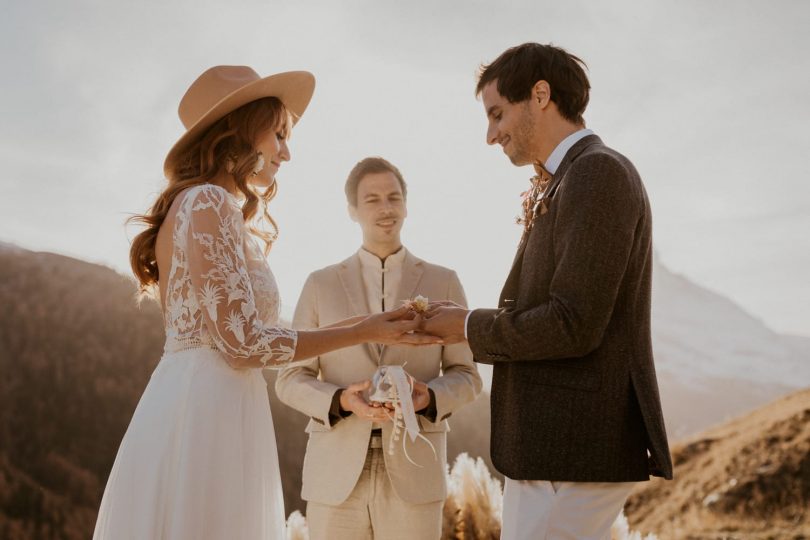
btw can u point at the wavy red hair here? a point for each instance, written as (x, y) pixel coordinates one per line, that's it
(227, 147)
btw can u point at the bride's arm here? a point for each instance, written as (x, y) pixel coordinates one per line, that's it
(386, 328)
(222, 286)
(346, 322)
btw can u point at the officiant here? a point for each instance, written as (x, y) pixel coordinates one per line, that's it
(357, 481)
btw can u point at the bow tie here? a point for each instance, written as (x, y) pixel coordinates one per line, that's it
(534, 197)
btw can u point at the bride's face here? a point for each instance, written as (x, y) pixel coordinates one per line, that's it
(274, 151)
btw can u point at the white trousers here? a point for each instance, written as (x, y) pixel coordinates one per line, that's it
(543, 510)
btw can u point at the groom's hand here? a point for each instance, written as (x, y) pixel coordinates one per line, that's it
(445, 320)
(442, 303)
(352, 400)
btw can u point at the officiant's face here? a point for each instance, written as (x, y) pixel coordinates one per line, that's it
(510, 124)
(380, 209)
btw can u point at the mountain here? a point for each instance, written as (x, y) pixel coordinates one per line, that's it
(713, 359)
(744, 480)
(76, 352)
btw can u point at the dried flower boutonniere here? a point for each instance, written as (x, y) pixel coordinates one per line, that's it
(534, 197)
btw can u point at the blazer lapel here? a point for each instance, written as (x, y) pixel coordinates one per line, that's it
(569, 158)
(351, 277)
(510, 288)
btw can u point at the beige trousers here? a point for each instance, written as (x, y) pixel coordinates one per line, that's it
(374, 511)
(542, 510)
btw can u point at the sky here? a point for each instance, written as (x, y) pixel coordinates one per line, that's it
(709, 99)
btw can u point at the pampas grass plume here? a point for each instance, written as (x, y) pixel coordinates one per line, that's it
(474, 502)
(621, 531)
(297, 527)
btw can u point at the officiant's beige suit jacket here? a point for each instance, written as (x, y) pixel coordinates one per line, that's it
(336, 453)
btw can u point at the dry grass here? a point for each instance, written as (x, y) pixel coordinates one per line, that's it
(474, 502)
(746, 479)
(621, 531)
(297, 527)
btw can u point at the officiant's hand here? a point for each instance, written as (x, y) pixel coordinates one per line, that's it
(420, 395)
(445, 320)
(352, 400)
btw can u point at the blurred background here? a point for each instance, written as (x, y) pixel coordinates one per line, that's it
(708, 99)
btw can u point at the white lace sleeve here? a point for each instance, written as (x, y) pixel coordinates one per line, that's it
(222, 285)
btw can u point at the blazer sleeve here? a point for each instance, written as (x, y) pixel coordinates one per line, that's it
(594, 234)
(298, 386)
(459, 382)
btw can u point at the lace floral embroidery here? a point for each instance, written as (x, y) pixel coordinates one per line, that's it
(221, 293)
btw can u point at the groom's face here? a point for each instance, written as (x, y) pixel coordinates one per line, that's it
(380, 209)
(511, 125)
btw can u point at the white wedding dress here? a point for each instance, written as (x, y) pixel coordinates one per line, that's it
(199, 458)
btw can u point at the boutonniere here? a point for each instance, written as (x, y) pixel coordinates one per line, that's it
(534, 198)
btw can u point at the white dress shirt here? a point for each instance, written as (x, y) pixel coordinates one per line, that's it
(381, 279)
(556, 157)
(551, 165)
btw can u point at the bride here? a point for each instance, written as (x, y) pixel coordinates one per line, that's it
(199, 458)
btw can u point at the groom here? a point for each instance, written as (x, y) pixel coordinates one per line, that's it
(576, 415)
(357, 481)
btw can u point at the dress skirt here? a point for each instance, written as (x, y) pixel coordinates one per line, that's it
(199, 459)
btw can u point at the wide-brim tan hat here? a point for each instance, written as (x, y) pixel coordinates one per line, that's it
(223, 89)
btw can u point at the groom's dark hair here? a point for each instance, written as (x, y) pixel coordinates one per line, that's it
(371, 165)
(517, 70)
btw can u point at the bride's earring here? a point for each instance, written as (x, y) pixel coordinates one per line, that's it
(259, 165)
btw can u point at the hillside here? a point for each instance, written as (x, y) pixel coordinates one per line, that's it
(747, 479)
(76, 353)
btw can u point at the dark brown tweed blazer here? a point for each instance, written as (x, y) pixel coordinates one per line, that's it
(574, 392)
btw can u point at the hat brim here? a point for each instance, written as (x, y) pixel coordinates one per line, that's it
(293, 88)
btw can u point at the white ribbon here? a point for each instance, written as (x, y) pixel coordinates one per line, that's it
(402, 382)
(399, 379)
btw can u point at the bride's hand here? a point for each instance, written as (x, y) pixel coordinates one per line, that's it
(395, 327)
